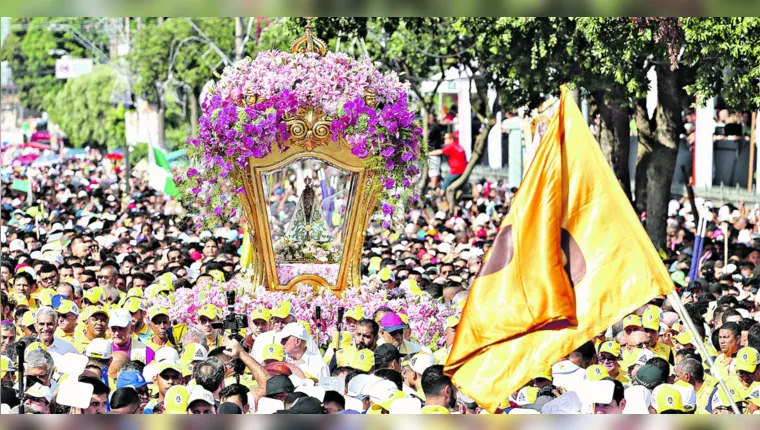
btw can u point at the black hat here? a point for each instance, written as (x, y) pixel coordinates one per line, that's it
(387, 353)
(279, 384)
(307, 405)
(228, 408)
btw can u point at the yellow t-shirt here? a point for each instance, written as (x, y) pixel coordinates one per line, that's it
(441, 355)
(154, 346)
(723, 366)
(661, 350)
(623, 378)
(68, 337)
(703, 396)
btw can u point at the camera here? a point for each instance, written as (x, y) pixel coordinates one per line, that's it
(232, 322)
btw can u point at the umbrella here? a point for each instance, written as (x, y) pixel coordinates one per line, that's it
(37, 145)
(115, 156)
(25, 160)
(46, 161)
(75, 153)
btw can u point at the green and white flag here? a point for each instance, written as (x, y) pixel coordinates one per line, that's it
(159, 173)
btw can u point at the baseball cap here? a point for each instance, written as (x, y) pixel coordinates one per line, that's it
(156, 311)
(194, 352)
(5, 366)
(345, 340)
(279, 384)
(406, 406)
(526, 396)
(636, 356)
(747, 359)
(132, 304)
(95, 295)
(610, 347)
(387, 352)
(359, 385)
(355, 313)
(720, 400)
(39, 391)
(228, 408)
(434, 410)
(130, 378)
(21, 301)
(684, 338)
(167, 353)
(45, 296)
(651, 318)
(597, 372)
(282, 309)
(99, 348)
(452, 321)
(261, 313)
(363, 360)
(307, 405)
(17, 245)
(272, 352)
(294, 329)
(650, 376)
(667, 397)
(67, 307)
(29, 319)
(120, 318)
(168, 365)
(546, 373)
(93, 310)
(135, 292)
(420, 362)
(688, 395)
(391, 322)
(176, 400)
(200, 394)
(344, 355)
(632, 321)
(210, 311)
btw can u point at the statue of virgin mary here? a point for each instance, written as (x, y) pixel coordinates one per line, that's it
(308, 223)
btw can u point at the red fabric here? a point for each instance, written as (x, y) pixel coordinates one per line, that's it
(457, 158)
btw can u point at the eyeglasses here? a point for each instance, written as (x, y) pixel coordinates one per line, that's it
(640, 345)
(605, 359)
(48, 279)
(104, 277)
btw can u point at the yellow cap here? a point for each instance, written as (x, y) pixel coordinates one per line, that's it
(306, 326)
(21, 301)
(261, 313)
(93, 310)
(363, 360)
(273, 352)
(345, 355)
(596, 372)
(67, 307)
(135, 292)
(210, 311)
(34, 346)
(374, 264)
(377, 408)
(156, 311)
(747, 359)
(544, 374)
(452, 321)
(194, 352)
(434, 410)
(651, 318)
(175, 400)
(133, 304)
(720, 399)
(610, 347)
(168, 365)
(667, 397)
(355, 313)
(385, 274)
(45, 296)
(187, 367)
(632, 321)
(95, 295)
(404, 317)
(5, 366)
(282, 309)
(345, 340)
(414, 287)
(29, 319)
(684, 338)
(217, 275)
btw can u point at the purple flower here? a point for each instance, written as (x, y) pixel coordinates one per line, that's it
(191, 172)
(388, 209)
(387, 152)
(218, 211)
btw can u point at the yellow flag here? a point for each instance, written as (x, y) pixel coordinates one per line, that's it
(246, 256)
(570, 260)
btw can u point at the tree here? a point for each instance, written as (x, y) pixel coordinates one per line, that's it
(83, 109)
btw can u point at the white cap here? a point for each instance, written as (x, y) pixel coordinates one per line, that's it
(269, 406)
(688, 396)
(17, 245)
(38, 390)
(601, 392)
(637, 400)
(294, 329)
(360, 384)
(99, 348)
(644, 356)
(420, 362)
(407, 406)
(167, 353)
(382, 391)
(120, 318)
(200, 393)
(444, 248)
(311, 391)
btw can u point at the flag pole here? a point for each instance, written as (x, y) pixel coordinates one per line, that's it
(697, 339)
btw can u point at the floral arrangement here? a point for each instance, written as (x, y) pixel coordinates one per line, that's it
(427, 316)
(243, 117)
(287, 249)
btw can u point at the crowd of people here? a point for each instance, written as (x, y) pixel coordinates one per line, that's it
(83, 261)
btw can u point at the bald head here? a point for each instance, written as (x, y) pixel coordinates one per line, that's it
(637, 338)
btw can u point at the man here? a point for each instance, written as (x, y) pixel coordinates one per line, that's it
(294, 339)
(352, 317)
(392, 331)
(24, 284)
(209, 374)
(610, 397)
(97, 324)
(387, 357)
(282, 314)
(98, 400)
(134, 379)
(48, 276)
(279, 387)
(367, 331)
(107, 280)
(457, 158)
(39, 366)
(47, 322)
(728, 339)
(438, 389)
(122, 329)
(260, 318)
(201, 402)
(37, 398)
(237, 394)
(334, 402)
(168, 375)
(637, 340)
(413, 375)
(651, 323)
(7, 335)
(690, 371)
(209, 315)
(68, 312)
(450, 330)
(747, 369)
(137, 312)
(125, 401)
(159, 325)
(609, 357)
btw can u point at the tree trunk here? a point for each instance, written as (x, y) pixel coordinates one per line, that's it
(615, 140)
(239, 35)
(422, 184)
(453, 191)
(645, 128)
(161, 123)
(664, 153)
(193, 112)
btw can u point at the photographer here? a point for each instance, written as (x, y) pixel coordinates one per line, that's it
(234, 350)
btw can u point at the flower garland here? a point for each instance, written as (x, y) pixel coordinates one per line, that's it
(230, 130)
(427, 316)
(288, 249)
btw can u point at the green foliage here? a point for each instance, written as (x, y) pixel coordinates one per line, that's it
(83, 110)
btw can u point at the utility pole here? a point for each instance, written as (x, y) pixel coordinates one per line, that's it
(239, 35)
(128, 101)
